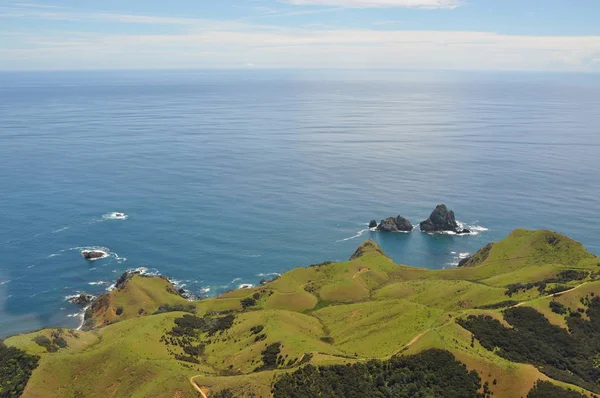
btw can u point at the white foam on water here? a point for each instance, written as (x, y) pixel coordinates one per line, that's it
(473, 227)
(245, 286)
(236, 280)
(115, 216)
(6, 282)
(358, 235)
(253, 255)
(54, 255)
(205, 290)
(60, 230)
(82, 317)
(462, 256)
(269, 274)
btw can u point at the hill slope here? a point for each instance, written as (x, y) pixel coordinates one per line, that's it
(146, 340)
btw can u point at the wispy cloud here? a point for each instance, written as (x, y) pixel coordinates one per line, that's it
(186, 42)
(300, 48)
(427, 4)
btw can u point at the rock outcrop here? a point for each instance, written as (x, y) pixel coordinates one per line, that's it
(83, 299)
(397, 224)
(477, 258)
(441, 220)
(373, 224)
(93, 254)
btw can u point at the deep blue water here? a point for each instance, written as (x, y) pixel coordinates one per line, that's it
(230, 175)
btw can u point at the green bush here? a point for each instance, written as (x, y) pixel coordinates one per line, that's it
(433, 373)
(16, 367)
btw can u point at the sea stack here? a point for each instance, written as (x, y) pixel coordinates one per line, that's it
(373, 224)
(442, 220)
(397, 224)
(93, 254)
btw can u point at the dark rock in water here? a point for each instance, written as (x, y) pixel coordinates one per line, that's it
(82, 299)
(441, 220)
(398, 224)
(464, 232)
(373, 224)
(93, 254)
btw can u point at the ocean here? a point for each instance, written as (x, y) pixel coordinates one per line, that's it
(229, 177)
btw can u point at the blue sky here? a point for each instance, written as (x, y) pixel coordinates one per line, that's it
(546, 35)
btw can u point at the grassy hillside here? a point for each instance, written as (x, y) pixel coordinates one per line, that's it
(147, 340)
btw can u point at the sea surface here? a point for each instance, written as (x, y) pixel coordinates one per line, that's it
(229, 177)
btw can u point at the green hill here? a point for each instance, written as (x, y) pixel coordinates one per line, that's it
(388, 324)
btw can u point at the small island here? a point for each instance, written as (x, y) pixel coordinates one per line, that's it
(442, 220)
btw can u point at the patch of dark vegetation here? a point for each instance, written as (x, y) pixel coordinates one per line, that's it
(501, 304)
(186, 358)
(558, 308)
(568, 276)
(562, 355)
(260, 337)
(546, 389)
(119, 311)
(16, 367)
(58, 340)
(248, 302)
(227, 393)
(327, 339)
(558, 289)
(477, 258)
(433, 373)
(270, 357)
(257, 329)
(324, 263)
(191, 308)
(518, 287)
(192, 333)
(562, 277)
(50, 345)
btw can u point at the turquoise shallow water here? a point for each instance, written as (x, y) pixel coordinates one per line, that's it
(228, 176)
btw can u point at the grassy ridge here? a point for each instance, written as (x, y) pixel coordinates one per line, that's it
(331, 313)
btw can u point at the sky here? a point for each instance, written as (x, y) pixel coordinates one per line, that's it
(513, 35)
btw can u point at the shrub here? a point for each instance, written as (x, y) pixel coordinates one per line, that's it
(558, 308)
(248, 302)
(545, 389)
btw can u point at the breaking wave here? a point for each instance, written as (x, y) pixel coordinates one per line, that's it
(115, 216)
(358, 235)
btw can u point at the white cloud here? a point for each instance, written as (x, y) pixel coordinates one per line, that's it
(305, 48)
(198, 43)
(429, 4)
